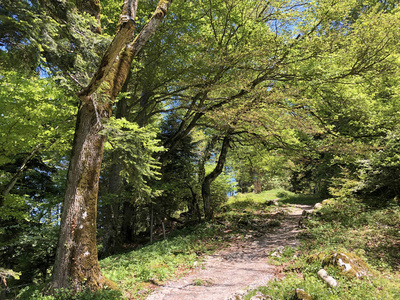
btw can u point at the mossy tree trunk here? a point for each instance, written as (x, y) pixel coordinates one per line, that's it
(76, 262)
(76, 258)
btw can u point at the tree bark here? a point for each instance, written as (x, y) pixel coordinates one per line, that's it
(206, 185)
(151, 223)
(195, 209)
(76, 262)
(76, 258)
(206, 156)
(111, 237)
(257, 186)
(112, 211)
(127, 232)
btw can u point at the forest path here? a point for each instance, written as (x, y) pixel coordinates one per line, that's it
(242, 265)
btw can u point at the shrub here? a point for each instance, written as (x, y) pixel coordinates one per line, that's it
(380, 175)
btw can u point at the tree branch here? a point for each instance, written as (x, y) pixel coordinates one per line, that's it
(6, 190)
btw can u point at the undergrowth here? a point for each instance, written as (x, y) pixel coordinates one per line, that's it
(349, 226)
(135, 272)
(138, 270)
(352, 226)
(35, 292)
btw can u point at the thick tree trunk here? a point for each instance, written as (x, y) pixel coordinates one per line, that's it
(206, 185)
(76, 262)
(76, 258)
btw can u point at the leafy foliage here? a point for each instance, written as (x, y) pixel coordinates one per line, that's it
(36, 129)
(34, 111)
(135, 147)
(308, 92)
(379, 174)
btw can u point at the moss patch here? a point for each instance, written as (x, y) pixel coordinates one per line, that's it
(300, 294)
(348, 264)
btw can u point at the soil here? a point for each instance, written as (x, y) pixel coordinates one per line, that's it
(231, 272)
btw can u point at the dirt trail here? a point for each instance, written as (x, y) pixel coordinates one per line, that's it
(243, 265)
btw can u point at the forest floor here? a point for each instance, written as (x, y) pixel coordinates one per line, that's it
(243, 265)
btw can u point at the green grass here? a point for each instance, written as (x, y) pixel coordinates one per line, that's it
(136, 271)
(350, 226)
(292, 198)
(250, 212)
(255, 198)
(373, 289)
(285, 197)
(346, 226)
(355, 226)
(35, 292)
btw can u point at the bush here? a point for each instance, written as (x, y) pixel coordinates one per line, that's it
(380, 175)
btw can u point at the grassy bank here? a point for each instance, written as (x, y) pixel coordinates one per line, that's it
(137, 272)
(348, 226)
(351, 227)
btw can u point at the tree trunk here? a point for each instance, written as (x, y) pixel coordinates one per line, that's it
(111, 242)
(206, 194)
(257, 186)
(151, 223)
(76, 262)
(143, 117)
(127, 232)
(76, 258)
(111, 238)
(206, 185)
(195, 209)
